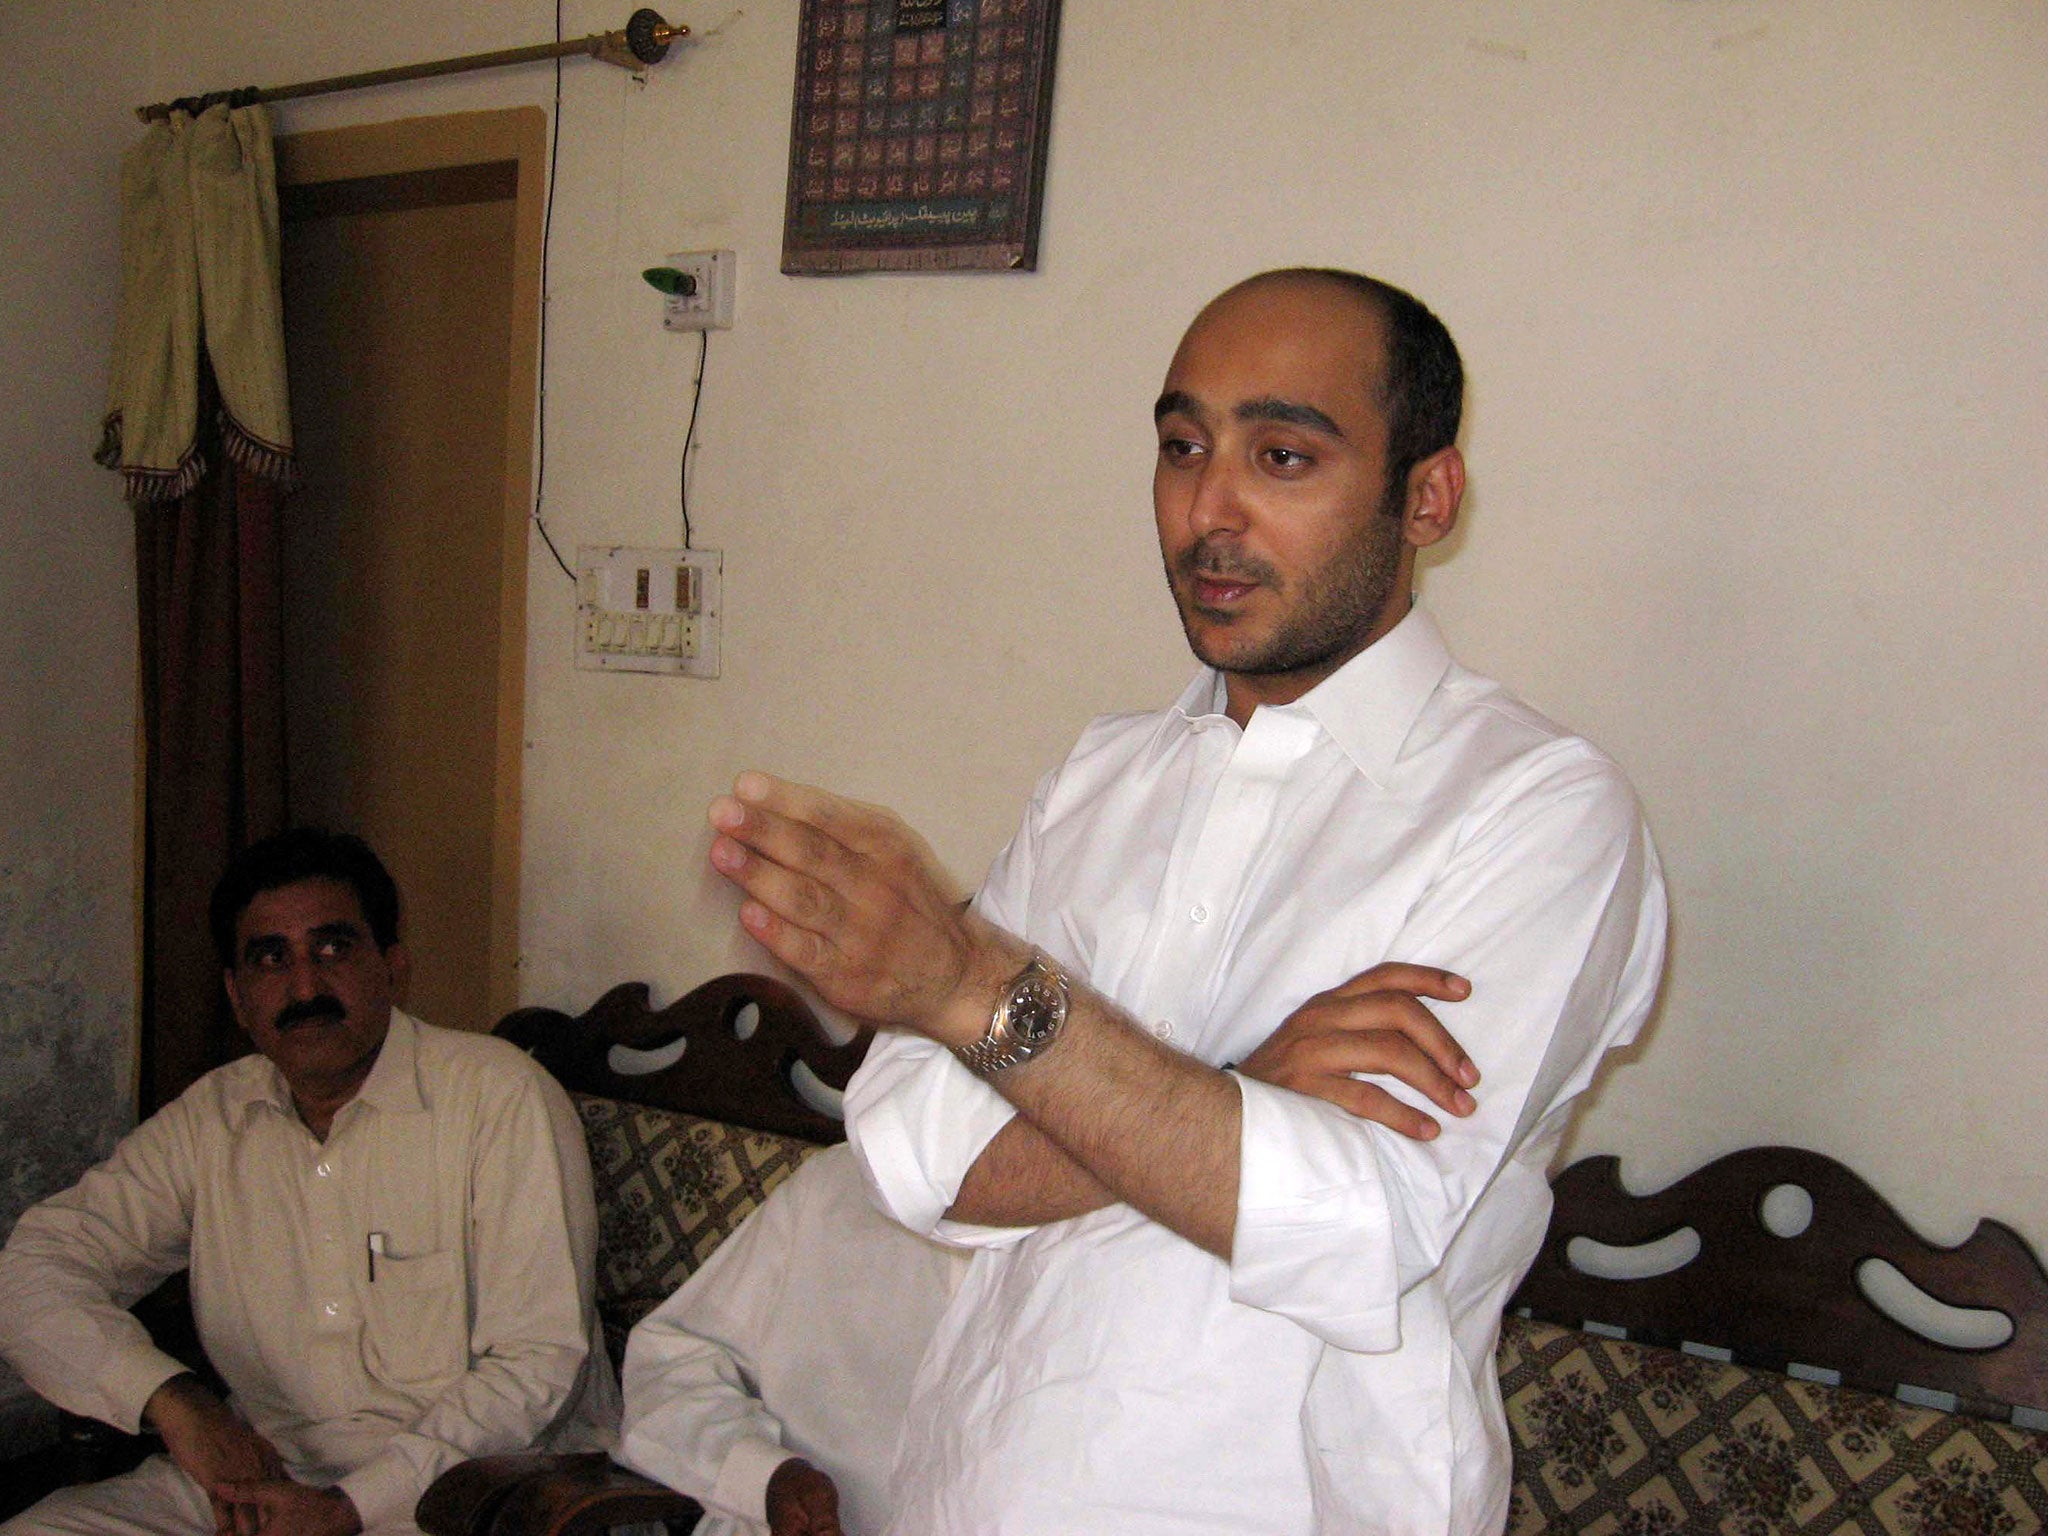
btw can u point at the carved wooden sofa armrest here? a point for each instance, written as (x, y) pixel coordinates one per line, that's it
(537, 1494)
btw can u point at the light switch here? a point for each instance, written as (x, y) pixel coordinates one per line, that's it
(635, 616)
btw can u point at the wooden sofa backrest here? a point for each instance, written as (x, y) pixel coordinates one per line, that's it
(1767, 1300)
(1774, 1300)
(692, 1055)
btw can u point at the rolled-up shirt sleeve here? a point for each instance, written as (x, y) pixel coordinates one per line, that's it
(1553, 909)
(918, 1120)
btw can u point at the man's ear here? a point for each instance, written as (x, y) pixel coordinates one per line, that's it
(1436, 486)
(227, 979)
(398, 960)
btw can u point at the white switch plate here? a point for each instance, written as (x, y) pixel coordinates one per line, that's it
(710, 307)
(648, 610)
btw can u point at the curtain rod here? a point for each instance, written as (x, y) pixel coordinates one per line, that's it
(642, 41)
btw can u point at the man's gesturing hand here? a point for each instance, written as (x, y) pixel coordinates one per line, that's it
(203, 1436)
(848, 897)
(1374, 1023)
(802, 1501)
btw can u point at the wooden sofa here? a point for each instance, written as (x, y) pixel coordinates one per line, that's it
(1753, 1391)
(1756, 1389)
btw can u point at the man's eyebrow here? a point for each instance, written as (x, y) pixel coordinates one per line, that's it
(1293, 412)
(1175, 402)
(338, 930)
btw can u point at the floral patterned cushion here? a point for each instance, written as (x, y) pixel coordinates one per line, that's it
(1621, 1439)
(670, 1188)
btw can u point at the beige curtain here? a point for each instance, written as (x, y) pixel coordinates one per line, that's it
(199, 275)
(199, 427)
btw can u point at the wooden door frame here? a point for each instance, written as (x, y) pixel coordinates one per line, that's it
(413, 145)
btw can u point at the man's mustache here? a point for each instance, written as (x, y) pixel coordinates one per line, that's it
(308, 1009)
(1216, 560)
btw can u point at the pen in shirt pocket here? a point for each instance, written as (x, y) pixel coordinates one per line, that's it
(375, 1247)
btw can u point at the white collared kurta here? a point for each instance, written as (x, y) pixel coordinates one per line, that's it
(477, 1334)
(1337, 1374)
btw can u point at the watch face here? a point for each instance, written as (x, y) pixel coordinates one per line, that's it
(1037, 1009)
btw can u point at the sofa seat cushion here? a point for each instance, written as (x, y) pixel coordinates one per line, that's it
(1619, 1439)
(670, 1188)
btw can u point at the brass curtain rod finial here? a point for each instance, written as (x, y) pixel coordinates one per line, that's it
(648, 36)
(644, 41)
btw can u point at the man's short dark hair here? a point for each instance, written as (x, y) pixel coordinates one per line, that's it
(1422, 388)
(303, 853)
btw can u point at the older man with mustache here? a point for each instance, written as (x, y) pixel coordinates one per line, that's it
(389, 1229)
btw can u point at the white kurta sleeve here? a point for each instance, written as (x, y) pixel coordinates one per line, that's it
(532, 1245)
(918, 1122)
(77, 1261)
(1552, 907)
(694, 1417)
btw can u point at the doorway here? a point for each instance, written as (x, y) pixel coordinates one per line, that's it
(411, 270)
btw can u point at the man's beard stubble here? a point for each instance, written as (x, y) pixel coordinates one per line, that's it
(1331, 611)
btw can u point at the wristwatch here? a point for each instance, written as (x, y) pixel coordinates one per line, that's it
(1028, 1017)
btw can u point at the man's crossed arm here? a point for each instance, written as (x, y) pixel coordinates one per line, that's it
(1374, 1023)
(854, 901)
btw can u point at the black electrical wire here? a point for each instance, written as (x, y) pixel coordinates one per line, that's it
(540, 472)
(690, 432)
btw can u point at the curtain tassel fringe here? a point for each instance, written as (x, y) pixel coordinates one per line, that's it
(265, 460)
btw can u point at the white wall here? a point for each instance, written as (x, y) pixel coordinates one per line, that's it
(1752, 299)
(67, 625)
(1751, 294)
(67, 614)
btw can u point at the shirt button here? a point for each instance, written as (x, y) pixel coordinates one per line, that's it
(1163, 1029)
(332, 1309)
(1199, 913)
(322, 1169)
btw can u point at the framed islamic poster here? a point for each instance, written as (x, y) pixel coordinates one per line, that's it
(918, 135)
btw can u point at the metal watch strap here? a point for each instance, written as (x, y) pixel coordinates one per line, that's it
(999, 1047)
(988, 1055)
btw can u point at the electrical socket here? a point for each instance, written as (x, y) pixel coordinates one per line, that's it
(709, 306)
